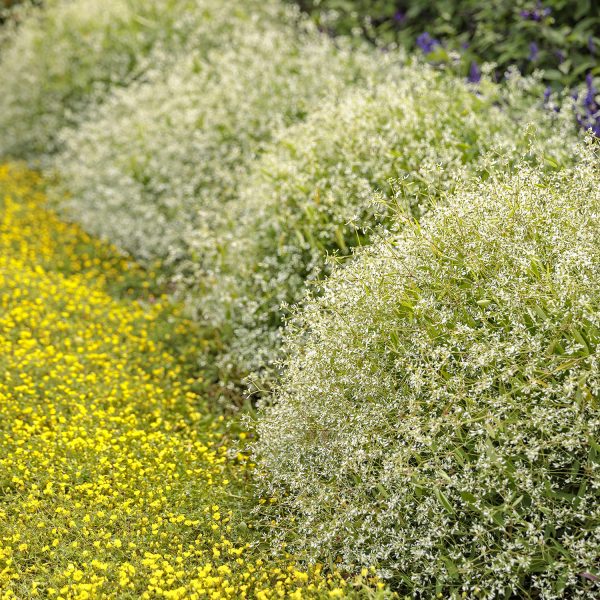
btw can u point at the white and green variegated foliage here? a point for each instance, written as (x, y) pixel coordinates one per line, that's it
(439, 412)
(326, 184)
(65, 57)
(155, 168)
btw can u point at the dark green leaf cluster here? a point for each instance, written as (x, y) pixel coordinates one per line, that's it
(560, 36)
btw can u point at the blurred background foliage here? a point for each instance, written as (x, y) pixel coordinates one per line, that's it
(9, 9)
(562, 37)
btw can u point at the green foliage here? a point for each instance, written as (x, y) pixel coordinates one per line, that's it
(326, 184)
(567, 37)
(439, 416)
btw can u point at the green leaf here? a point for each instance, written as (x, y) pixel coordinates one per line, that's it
(443, 500)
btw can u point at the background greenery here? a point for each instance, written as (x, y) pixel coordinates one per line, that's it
(565, 32)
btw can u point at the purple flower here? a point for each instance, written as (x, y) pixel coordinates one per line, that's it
(547, 93)
(588, 115)
(533, 51)
(589, 81)
(561, 56)
(590, 97)
(400, 17)
(591, 45)
(427, 43)
(537, 14)
(474, 73)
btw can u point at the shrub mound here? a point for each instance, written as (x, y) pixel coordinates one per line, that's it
(409, 139)
(68, 55)
(439, 414)
(155, 168)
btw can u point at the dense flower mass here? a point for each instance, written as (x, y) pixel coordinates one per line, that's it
(162, 158)
(338, 331)
(64, 59)
(441, 398)
(116, 480)
(326, 184)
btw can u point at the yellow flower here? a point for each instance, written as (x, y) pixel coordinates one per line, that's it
(103, 434)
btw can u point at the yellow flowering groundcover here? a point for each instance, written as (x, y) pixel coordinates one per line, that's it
(117, 480)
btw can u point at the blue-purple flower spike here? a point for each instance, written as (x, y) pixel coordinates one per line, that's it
(589, 118)
(533, 51)
(474, 73)
(426, 43)
(590, 97)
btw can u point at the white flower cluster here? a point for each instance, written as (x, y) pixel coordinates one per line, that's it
(57, 61)
(439, 416)
(324, 185)
(154, 169)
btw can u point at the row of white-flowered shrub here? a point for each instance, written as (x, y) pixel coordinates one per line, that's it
(435, 406)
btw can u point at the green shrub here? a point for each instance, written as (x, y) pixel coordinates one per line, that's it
(565, 33)
(406, 142)
(69, 54)
(439, 415)
(155, 167)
